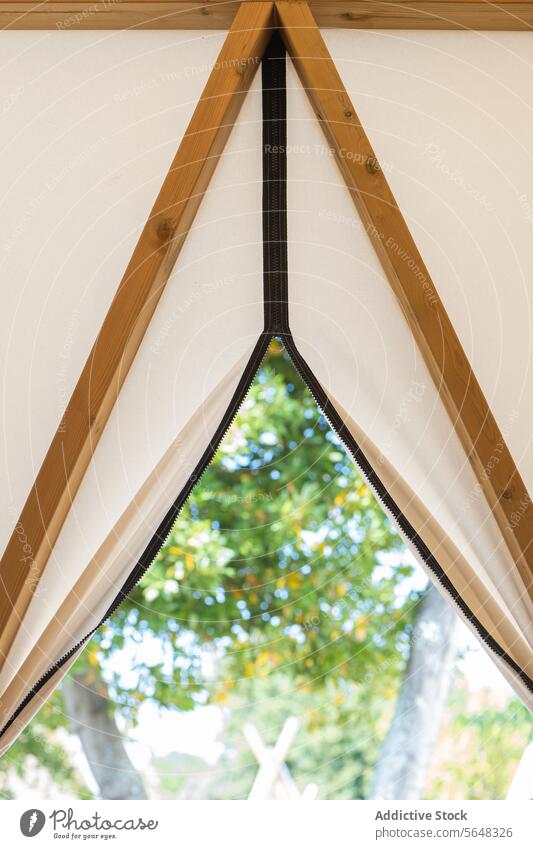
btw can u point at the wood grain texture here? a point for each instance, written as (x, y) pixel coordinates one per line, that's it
(412, 284)
(130, 313)
(423, 14)
(218, 14)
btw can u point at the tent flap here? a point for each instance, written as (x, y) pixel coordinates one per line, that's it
(276, 249)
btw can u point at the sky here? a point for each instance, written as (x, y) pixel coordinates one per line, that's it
(198, 732)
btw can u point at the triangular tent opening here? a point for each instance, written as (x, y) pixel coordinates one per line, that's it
(284, 570)
(281, 528)
(448, 477)
(284, 567)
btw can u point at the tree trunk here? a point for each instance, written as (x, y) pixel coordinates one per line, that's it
(408, 747)
(94, 723)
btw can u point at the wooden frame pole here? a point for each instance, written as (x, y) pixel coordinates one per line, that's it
(66, 15)
(411, 282)
(129, 314)
(166, 229)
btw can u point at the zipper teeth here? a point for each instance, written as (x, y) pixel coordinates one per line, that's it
(389, 505)
(276, 308)
(274, 269)
(162, 534)
(274, 189)
(378, 489)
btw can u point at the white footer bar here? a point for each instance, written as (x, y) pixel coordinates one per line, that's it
(269, 825)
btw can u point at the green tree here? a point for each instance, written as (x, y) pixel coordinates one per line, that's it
(40, 748)
(481, 746)
(281, 561)
(336, 746)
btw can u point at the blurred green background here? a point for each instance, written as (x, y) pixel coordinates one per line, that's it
(283, 590)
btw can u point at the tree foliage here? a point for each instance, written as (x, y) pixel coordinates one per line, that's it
(39, 747)
(280, 561)
(484, 742)
(336, 746)
(282, 588)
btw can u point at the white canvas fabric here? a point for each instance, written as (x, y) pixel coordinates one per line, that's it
(92, 122)
(52, 632)
(345, 319)
(83, 226)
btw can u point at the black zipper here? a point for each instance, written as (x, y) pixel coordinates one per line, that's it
(276, 315)
(277, 318)
(165, 527)
(275, 264)
(383, 496)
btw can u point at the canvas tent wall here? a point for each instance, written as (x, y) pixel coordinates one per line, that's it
(93, 120)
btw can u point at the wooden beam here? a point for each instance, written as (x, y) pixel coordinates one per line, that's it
(423, 14)
(411, 282)
(218, 14)
(129, 314)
